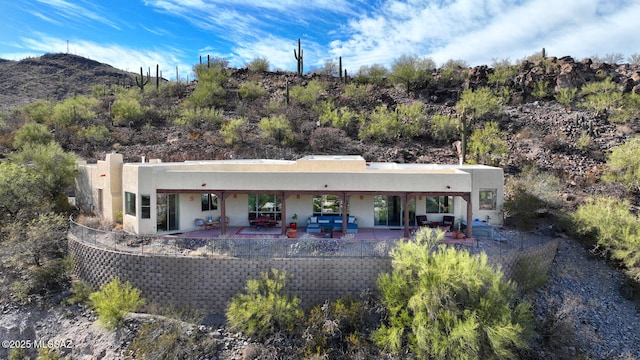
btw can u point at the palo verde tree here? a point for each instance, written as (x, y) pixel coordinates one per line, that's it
(444, 303)
(411, 71)
(624, 165)
(474, 105)
(487, 145)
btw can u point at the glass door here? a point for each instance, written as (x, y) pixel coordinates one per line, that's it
(167, 212)
(388, 211)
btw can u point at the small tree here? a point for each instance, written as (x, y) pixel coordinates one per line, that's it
(277, 128)
(449, 304)
(411, 71)
(32, 133)
(263, 309)
(233, 130)
(488, 144)
(114, 300)
(444, 127)
(474, 105)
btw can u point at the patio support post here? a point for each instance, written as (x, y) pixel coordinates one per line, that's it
(283, 215)
(223, 213)
(344, 214)
(405, 219)
(468, 230)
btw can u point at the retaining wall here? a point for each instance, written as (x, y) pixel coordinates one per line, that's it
(208, 283)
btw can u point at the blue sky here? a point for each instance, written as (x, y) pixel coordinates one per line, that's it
(132, 33)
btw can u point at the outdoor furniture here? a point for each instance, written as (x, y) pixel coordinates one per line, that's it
(421, 220)
(316, 223)
(263, 221)
(211, 223)
(200, 223)
(448, 220)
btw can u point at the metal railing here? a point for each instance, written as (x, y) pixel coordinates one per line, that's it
(268, 246)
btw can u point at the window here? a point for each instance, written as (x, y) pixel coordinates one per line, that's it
(439, 204)
(326, 205)
(209, 202)
(130, 203)
(488, 199)
(145, 206)
(265, 205)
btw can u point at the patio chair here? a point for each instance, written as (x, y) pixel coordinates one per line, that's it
(421, 220)
(200, 224)
(448, 220)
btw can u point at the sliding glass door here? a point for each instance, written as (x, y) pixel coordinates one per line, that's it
(167, 212)
(388, 211)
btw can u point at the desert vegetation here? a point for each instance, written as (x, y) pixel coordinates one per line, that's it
(569, 150)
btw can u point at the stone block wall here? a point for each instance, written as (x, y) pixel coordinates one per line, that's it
(209, 283)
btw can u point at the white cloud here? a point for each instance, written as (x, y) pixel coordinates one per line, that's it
(76, 12)
(121, 57)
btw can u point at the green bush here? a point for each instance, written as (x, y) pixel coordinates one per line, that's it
(540, 89)
(384, 125)
(53, 275)
(209, 91)
(39, 111)
(32, 133)
(80, 292)
(623, 162)
(277, 128)
(358, 92)
(199, 117)
(444, 303)
(503, 72)
(444, 128)
(251, 90)
(97, 134)
(603, 97)
(259, 64)
(487, 145)
(608, 224)
(233, 131)
(114, 300)
(307, 95)
(126, 111)
(339, 118)
(335, 328)
(375, 74)
(74, 111)
(263, 309)
(411, 71)
(566, 96)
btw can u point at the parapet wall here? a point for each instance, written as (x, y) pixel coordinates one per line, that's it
(208, 283)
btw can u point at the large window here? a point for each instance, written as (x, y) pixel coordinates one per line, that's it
(439, 204)
(265, 205)
(130, 203)
(326, 205)
(488, 199)
(145, 206)
(209, 202)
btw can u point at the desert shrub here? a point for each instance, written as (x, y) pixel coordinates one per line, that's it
(259, 64)
(263, 308)
(114, 300)
(53, 275)
(623, 162)
(487, 145)
(126, 111)
(98, 134)
(609, 224)
(337, 117)
(100, 91)
(74, 111)
(375, 74)
(503, 72)
(411, 71)
(233, 131)
(540, 89)
(325, 139)
(603, 97)
(555, 141)
(251, 90)
(444, 303)
(444, 128)
(80, 292)
(39, 111)
(277, 128)
(209, 91)
(528, 194)
(528, 274)
(384, 125)
(307, 95)
(334, 329)
(18, 354)
(32, 133)
(453, 72)
(584, 141)
(566, 96)
(358, 92)
(199, 117)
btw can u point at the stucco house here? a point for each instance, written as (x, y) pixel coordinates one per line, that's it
(153, 197)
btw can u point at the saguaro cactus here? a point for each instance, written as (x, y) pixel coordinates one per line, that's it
(299, 58)
(142, 82)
